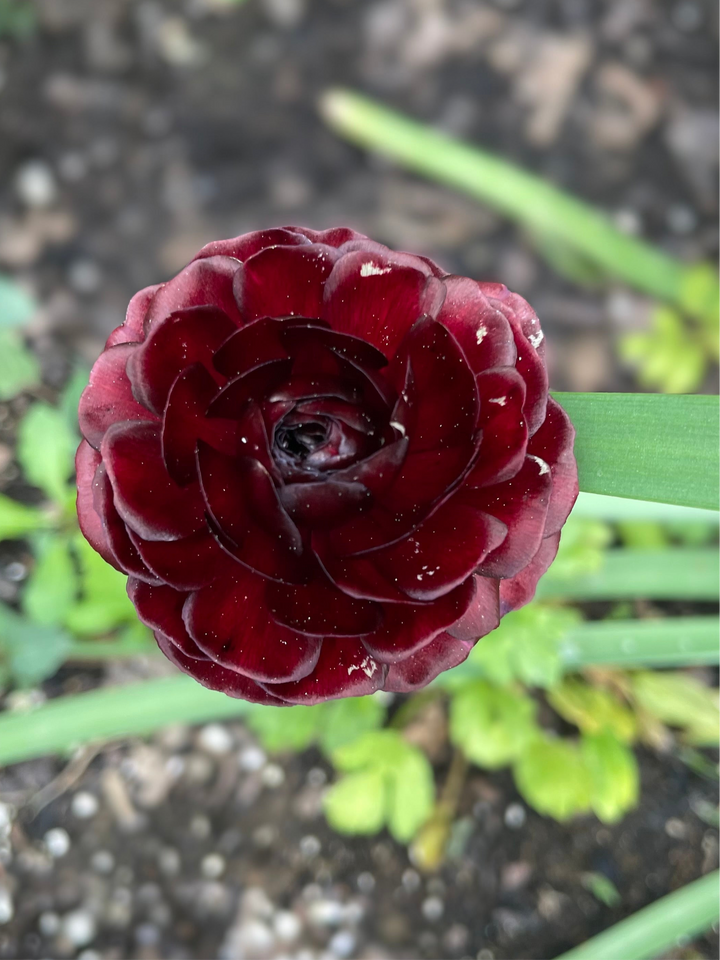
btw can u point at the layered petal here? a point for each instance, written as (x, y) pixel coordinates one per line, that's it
(87, 460)
(344, 669)
(553, 444)
(520, 589)
(442, 653)
(229, 622)
(133, 330)
(284, 281)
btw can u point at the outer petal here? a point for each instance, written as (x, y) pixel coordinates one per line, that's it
(554, 443)
(87, 461)
(186, 564)
(344, 669)
(284, 281)
(215, 677)
(407, 628)
(126, 556)
(371, 297)
(229, 621)
(319, 609)
(522, 505)
(442, 653)
(203, 282)
(248, 244)
(145, 495)
(483, 614)
(188, 336)
(108, 397)
(133, 329)
(503, 425)
(482, 331)
(160, 608)
(520, 589)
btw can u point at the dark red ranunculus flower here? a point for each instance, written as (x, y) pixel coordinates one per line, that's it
(327, 468)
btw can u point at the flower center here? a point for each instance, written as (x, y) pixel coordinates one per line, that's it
(302, 439)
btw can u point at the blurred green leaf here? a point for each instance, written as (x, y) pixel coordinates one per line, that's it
(670, 356)
(357, 804)
(53, 584)
(412, 792)
(602, 888)
(700, 293)
(70, 399)
(526, 647)
(32, 651)
(104, 603)
(642, 535)
(18, 520)
(552, 777)
(614, 775)
(491, 725)
(16, 304)
(18, 19)
(592, 709)
(348, 719)
(398, 778)
(582, 548)
(19, 370)
(46, 450)
(292, 728)
(679, 699)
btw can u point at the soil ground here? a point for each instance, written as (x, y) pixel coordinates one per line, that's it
(132, 132)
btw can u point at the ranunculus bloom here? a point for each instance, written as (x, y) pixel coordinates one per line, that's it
(327, 468)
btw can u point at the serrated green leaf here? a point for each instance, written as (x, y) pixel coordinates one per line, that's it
(552, 777)
(357, 804)
(19, 370)
(53, 584)
(46, 450)
(411, 795)
(33, 651)
(292, 728)
(16, 304)
(348, 719)
(18, 520)
(614, 775)
(378, 748)
(592, 709)
(491, 725)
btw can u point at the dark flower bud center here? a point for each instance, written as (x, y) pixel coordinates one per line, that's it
(302, 439)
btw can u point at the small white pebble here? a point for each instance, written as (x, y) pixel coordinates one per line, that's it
(432, 909)
(35, 184)
(57, 842)
(316, 777)
(84, 805)
(310, 846)
(212, 866)
(102, 861)
(85, 276)
(48, 923)
(252, 759)
(79, 927)
(287, 926)
(365, 882)
(515, 816)
(169, 861)
(200, 826)
(273, 775)
(216, 739)
(89, 955)
(342, 943)
(326, 913)
(411, 880)
(7, 910)
(7, 814)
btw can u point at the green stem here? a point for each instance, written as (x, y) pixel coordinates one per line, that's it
(684, 913)
(529, 199)
(666, 642)
(676, 574)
